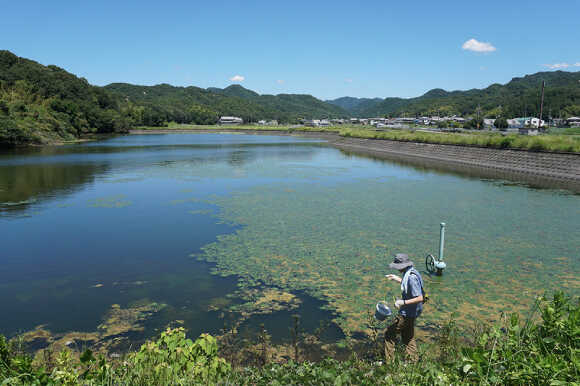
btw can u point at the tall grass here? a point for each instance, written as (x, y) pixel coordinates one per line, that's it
(567, 140)
(554, 143)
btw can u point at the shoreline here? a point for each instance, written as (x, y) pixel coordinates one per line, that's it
(537, 168)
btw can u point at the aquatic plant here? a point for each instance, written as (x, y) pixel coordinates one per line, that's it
(335, 243)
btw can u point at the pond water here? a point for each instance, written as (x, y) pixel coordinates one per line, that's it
(212, 228)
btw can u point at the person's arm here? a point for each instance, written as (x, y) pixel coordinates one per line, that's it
(416, 300)
(394, 278)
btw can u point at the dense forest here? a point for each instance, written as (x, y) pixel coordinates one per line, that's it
(520, 97)
(287, 107)
(42, 104)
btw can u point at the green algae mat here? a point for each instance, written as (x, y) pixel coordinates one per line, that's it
(505, 245)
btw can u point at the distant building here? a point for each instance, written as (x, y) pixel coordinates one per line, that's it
(514, 123)
(488, 123)
(312, 122)
(268, 123)
(573, 121)
(230, 121)
(534, 122)
(404, 121)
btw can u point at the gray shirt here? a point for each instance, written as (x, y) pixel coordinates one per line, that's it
(414, 286)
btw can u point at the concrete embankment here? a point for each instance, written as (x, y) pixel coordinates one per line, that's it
(543, 169)
(540, 168)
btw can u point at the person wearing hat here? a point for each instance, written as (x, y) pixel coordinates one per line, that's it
(410, 307)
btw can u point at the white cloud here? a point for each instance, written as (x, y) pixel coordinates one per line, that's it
(556, 66)
(348, 80)
(280, 81)
(237, 78)
(476, 46)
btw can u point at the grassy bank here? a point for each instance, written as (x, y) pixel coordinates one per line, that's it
(542, 349)
(564, 140)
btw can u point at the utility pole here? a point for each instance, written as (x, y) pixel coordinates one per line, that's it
(542, 104)
(478, 111)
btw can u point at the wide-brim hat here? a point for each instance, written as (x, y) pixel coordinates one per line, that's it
(401, 261)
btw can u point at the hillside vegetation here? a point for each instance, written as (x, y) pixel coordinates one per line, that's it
(520, 97)
(40, 104)
(153, 105)
(46, 104)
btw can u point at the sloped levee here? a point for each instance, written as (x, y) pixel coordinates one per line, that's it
(538, 168)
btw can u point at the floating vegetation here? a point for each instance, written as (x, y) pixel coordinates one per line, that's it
(110, 202)
(335, 243)
(111, 334)
(121, 320)
(264, 301)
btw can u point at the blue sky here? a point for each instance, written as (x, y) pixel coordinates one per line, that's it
(324, 48)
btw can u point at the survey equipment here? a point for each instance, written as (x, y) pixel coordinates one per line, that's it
(433, 264)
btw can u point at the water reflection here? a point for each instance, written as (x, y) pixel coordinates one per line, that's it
(26, 184)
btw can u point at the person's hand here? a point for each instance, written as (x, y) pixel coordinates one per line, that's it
(399, 303)
(394, 278)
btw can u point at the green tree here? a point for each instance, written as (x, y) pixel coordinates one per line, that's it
(501, 123)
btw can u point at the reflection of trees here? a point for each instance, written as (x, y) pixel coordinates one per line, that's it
(20, 185)
(240, 157)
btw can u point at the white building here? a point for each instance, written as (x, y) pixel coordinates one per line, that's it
(488, 123)
(514, 123)
(535, 122)
(312, 122)
(230, 121)
(268, 123)
(573, 121)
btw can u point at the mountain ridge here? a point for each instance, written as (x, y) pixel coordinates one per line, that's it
(518, 97)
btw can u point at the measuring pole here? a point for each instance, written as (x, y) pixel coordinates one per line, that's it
(441, 241)
(541, 104)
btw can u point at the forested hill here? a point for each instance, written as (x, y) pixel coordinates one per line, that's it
(41, 104)
(45, 104)
(351, 104)
(195, 105)
(519, 97)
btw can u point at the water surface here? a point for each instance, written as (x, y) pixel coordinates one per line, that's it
(213, 225)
